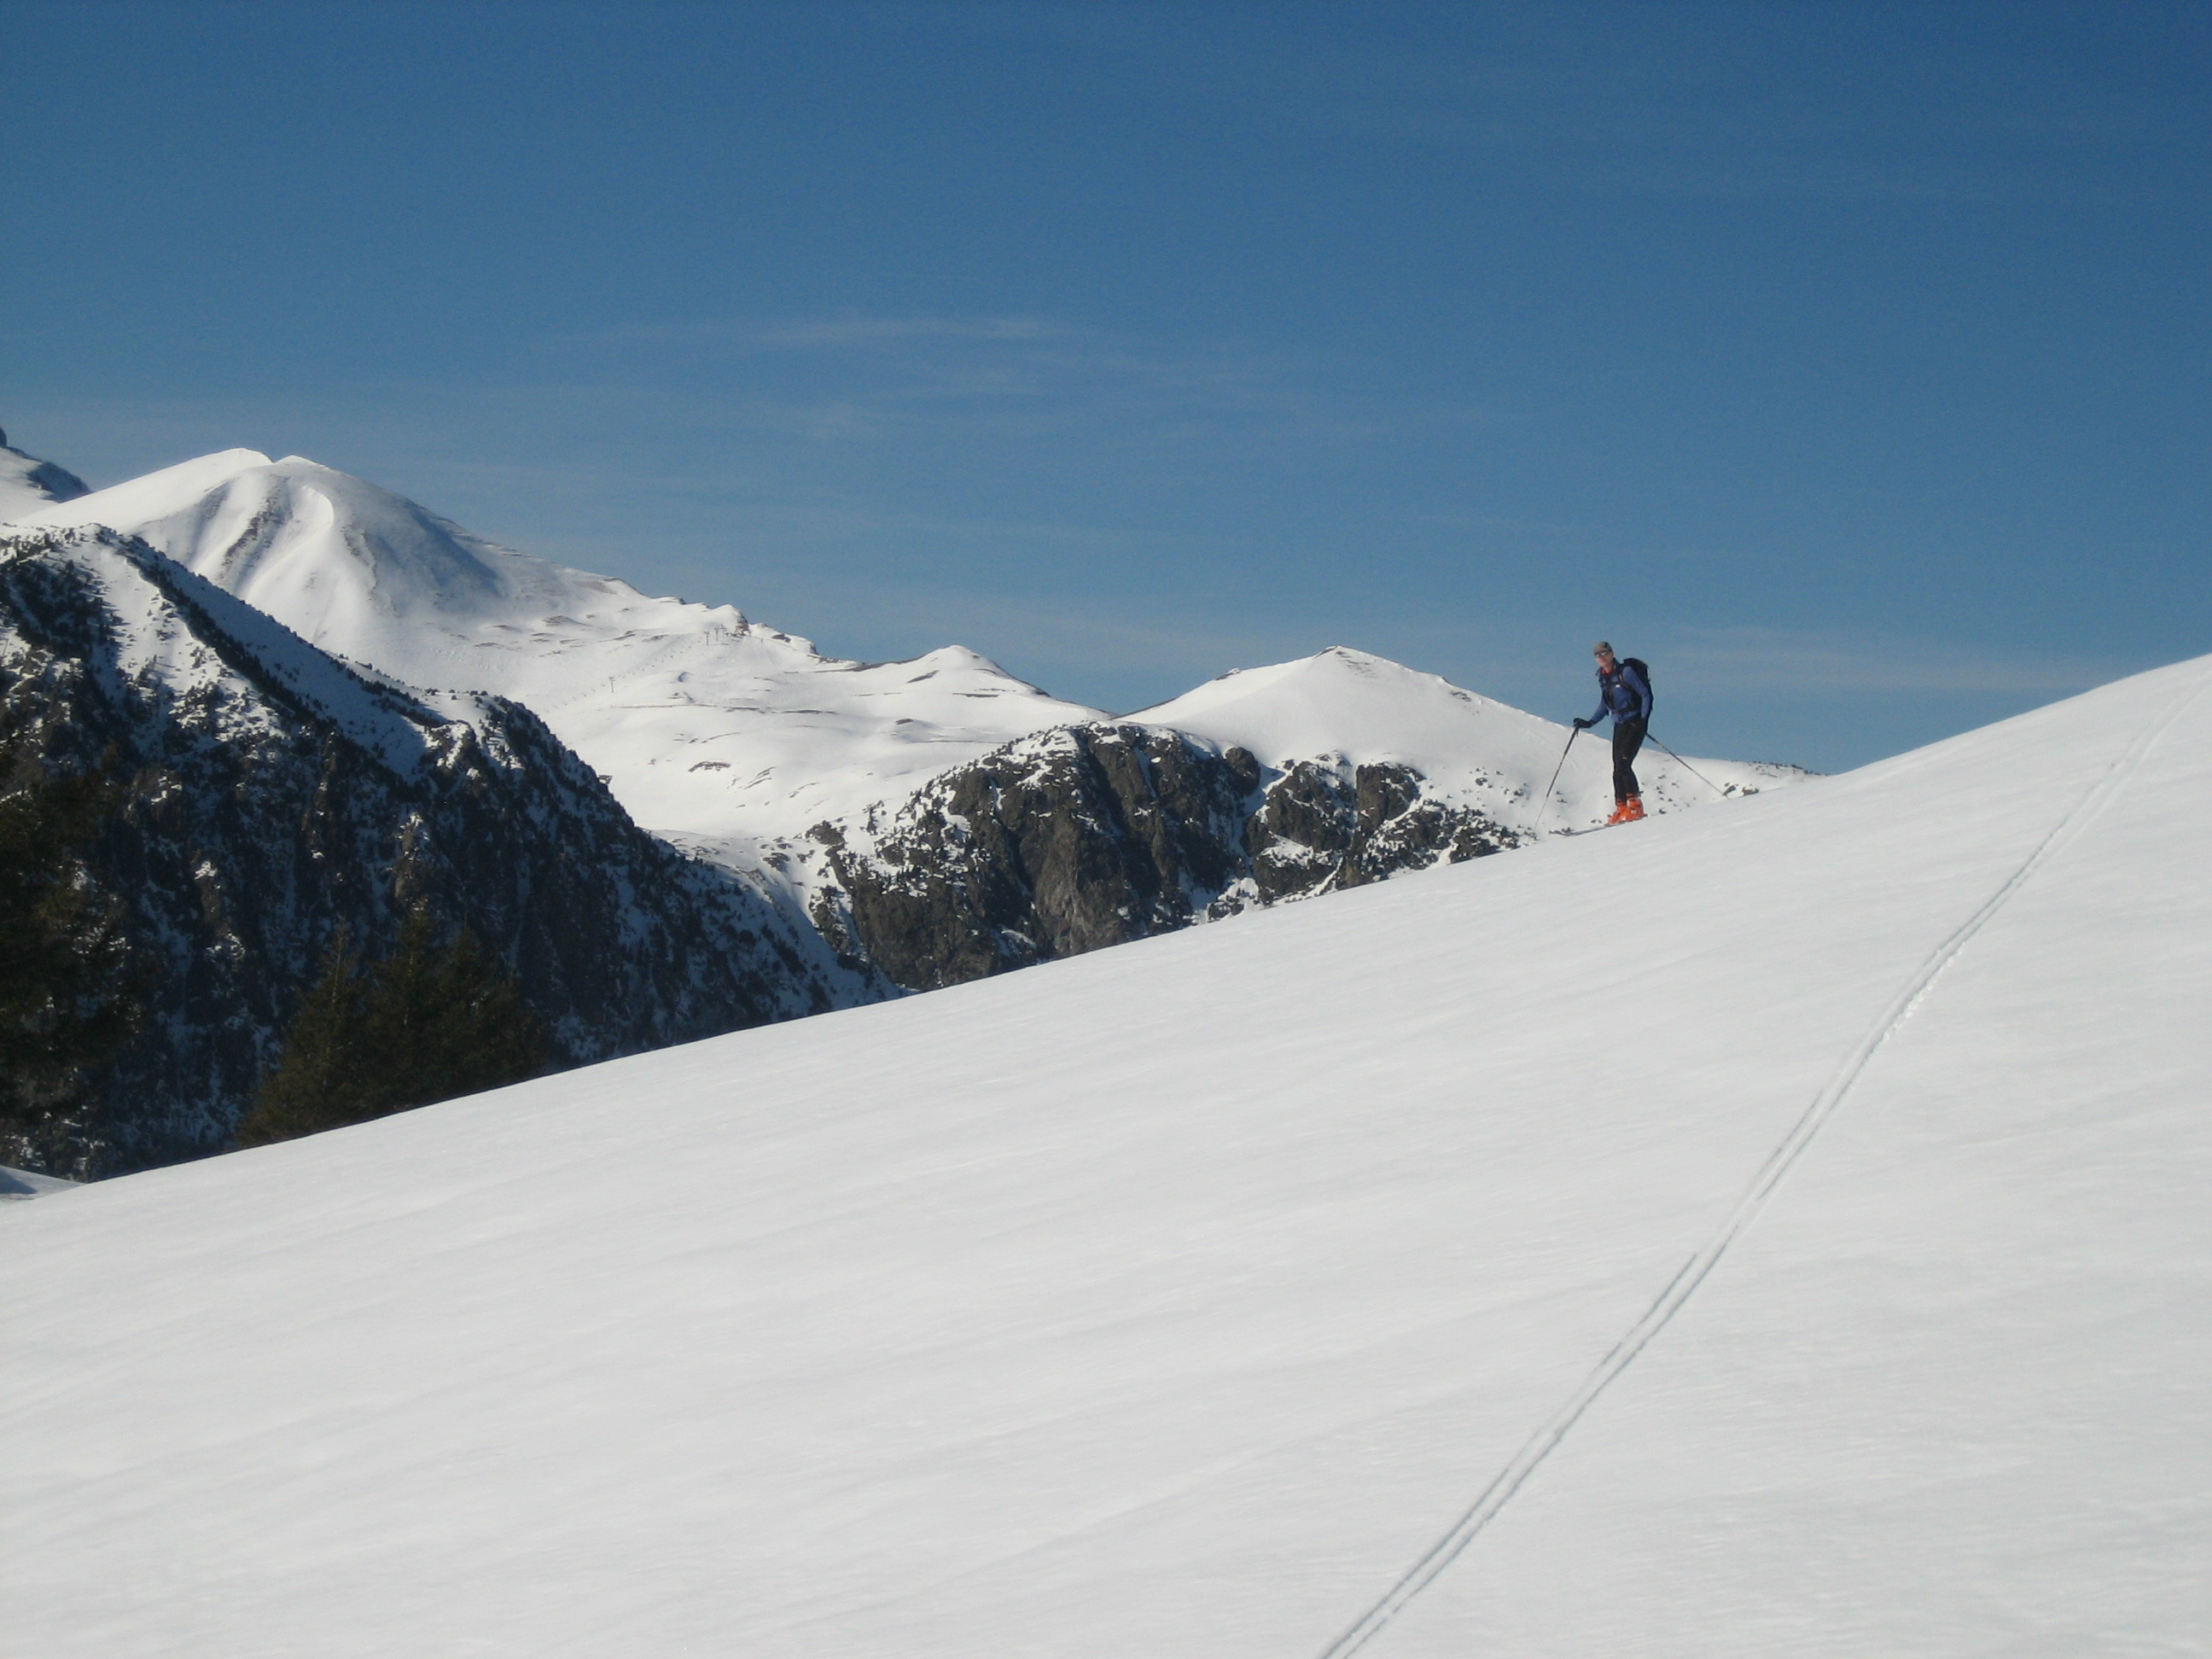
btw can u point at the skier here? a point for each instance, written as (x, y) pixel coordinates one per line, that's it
(1624, 693)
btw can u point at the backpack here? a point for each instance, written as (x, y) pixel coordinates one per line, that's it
(1644, 669)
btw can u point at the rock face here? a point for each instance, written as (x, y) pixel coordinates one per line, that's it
(1092, 834)
(272, 796)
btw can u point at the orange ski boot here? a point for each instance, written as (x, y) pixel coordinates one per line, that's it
(1631, 809)
(1621, 814)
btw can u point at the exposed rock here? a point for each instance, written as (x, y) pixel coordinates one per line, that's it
(1087, 835)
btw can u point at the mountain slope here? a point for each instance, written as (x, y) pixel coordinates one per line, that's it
(1180, 1298)
(28, 484)
(272, 797)
(713, 732)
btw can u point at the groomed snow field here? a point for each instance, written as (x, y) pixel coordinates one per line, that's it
(1777, 1229)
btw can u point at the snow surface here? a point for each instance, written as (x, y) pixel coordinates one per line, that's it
(1794, 1209)
(19, 1184)
(712, 731)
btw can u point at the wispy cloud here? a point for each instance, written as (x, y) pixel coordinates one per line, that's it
(859, 378)
(816, 334)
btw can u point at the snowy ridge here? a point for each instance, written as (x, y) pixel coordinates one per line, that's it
(1182, 1298)
(713, 732)
(194, 643)
(1348, 707)
(27, 484)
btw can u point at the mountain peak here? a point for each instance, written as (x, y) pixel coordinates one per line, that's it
(28, 484)
(306, 543)
(707, 725)
(1348, 702)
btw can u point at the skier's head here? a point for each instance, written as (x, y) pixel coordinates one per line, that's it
(1603, 652)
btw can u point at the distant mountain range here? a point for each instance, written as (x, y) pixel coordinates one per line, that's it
(815, 832)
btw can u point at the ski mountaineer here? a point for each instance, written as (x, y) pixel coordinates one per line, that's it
(1624, 694)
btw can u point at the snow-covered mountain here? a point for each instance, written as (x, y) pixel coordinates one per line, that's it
(27, 484)
(1772, 1229)
(1271, 784)
(719, 734)
(1346, 710)
(272, 797)
(737, 740)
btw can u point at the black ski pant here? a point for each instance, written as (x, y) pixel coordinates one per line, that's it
(1627, 738)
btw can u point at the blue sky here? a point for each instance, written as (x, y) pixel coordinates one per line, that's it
(1848, 361)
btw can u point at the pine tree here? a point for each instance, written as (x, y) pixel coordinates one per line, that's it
(65, 991)
(431, 1022)
(321, 1080)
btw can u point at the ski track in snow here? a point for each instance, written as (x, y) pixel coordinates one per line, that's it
(1675, 1296)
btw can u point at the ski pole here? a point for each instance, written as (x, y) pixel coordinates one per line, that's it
(1574, 733)
(1687, 767)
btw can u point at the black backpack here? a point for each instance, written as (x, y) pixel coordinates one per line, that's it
(1642, 668)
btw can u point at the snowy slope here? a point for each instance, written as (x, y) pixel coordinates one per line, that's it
(27, 484)
(1798, 1204)
(28, 1183)
(1475, 751)
(712, 731)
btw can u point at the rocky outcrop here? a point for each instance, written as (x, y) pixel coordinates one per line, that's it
(1087, 835)
(270, 796)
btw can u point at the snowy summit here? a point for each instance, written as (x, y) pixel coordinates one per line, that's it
(710, 729)
(1357, 708)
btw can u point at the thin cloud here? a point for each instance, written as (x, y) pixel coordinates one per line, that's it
(870, 331)
(823, 334)
(862, 379)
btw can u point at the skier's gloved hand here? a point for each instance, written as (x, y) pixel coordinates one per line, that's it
(1582, 725)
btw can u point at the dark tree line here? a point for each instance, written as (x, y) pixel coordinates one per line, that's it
(66, 993)
(436, 1017)
(432, 1020)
